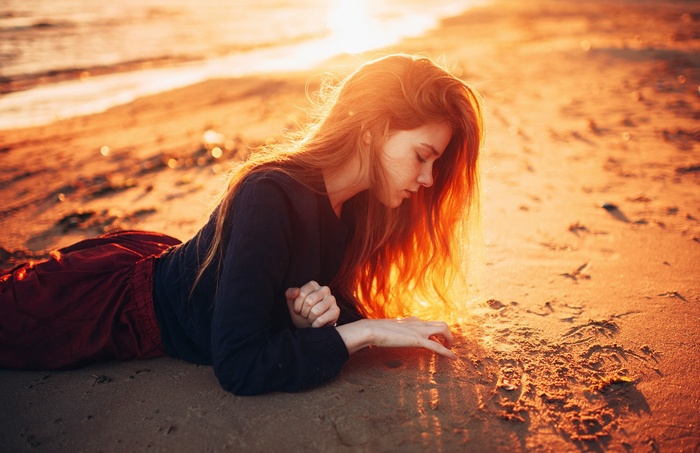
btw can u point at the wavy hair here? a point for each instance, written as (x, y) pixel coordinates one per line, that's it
(402, 260)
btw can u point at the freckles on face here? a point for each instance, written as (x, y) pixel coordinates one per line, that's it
(408, 158)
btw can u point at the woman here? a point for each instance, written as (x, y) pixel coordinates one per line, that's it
(313, 247)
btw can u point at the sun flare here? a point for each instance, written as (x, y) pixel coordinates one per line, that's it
(353, 27)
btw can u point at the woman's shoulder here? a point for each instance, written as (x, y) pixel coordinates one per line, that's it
(272, 175)
(275, 185)
(290, 180)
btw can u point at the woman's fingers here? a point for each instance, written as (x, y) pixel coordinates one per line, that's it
(438, 347)
(291, 294)
(328, 318)
(313, 303)
(412, 332)
(321, 307)
(306, 299)
(317, 302)
(441, 329)
(429, 329)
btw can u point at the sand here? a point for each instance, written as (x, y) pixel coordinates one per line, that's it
(583, 332)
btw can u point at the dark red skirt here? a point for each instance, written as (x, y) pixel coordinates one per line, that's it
(90, 301)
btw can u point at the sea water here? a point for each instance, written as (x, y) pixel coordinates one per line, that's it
(62, 58)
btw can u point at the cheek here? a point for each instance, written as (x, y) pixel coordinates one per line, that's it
(392, 168)
(399, 174)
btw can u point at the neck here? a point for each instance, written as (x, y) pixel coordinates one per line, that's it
(344, 183)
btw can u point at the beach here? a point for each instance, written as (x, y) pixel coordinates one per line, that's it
(583, 323)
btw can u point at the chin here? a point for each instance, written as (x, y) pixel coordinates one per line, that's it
(391, 204)
(395, 203)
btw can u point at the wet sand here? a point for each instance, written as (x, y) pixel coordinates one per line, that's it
(584, 329)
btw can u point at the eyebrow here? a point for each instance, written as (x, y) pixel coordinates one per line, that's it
(431, 147)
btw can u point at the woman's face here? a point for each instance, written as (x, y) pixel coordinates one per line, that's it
(408, 158)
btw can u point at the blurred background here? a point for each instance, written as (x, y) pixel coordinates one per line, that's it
(149, 46)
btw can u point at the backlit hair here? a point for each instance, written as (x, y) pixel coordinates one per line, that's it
(400, 261)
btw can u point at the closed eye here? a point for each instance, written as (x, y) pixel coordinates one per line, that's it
(420, 158)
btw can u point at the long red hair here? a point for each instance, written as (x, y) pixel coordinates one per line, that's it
(399, 260)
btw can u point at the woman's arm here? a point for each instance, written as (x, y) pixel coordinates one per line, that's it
(252, 352)
(313, 305)
(396, 333)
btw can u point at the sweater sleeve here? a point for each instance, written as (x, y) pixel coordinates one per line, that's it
(249, 356)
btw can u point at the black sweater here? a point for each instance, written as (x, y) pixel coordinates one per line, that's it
(281, 234)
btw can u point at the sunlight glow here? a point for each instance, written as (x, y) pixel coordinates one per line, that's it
(353, 28)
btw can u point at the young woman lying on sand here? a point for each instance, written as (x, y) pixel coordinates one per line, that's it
(311, 247)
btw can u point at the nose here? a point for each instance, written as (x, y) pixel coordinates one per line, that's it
(425, 178)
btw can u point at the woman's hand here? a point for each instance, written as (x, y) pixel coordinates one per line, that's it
(312, 305)
(396, 333)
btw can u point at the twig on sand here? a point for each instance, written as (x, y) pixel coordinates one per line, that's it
(579, 273)
(673, 294)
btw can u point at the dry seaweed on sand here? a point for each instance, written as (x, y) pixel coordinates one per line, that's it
(611, 384)
(688, 169)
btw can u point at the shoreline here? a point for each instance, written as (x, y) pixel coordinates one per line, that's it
(39, 99)
(585, 330)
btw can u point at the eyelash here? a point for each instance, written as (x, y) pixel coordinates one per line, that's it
(420, 158)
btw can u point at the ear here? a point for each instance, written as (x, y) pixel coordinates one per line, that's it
(366, 137)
